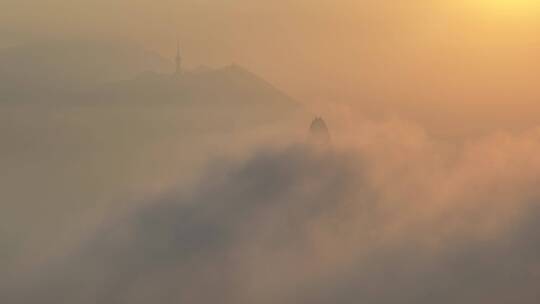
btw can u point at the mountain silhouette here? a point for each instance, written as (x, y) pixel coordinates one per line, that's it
(231, 84)
(231, 90)
(125, 75)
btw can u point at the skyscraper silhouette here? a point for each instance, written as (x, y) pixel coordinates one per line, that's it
(319, 132)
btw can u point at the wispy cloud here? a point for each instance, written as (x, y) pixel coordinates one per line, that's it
(402, 219)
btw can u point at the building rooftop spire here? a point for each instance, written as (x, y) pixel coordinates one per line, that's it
(319, 132)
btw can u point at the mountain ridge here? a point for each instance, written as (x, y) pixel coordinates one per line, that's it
(231, 90)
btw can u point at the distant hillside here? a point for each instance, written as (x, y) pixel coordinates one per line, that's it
(231, 90)
(125, 75)
(231, 84)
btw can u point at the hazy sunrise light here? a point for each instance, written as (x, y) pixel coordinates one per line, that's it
(269, 151)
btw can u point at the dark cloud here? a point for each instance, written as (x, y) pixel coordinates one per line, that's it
(319, 226)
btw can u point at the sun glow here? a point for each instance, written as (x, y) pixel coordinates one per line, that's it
(509, 7)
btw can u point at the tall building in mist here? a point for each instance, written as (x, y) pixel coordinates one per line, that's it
(178, 60)
(318, 132)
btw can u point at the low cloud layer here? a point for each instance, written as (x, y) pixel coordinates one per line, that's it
(393, 218)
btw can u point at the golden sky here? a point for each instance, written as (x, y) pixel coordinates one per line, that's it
(390, 213)
(454, 53)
